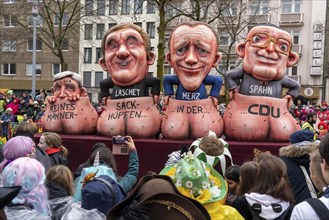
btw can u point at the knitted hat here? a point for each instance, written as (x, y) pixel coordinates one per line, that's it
(301, 135)
(103, 193)
(64, 74)
(197, 180)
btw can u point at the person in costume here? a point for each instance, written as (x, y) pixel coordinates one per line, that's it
(266, 53)
(322, 128)
(193, 52)
(200, 181)
(130, 109)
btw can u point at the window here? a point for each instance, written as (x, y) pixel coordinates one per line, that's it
(224, 39)
(56, 68)
(86, 78)
(89, 7)
(294, 71)
(65, 44)
(295, 37)
(139, 24)
(30, 44)
(151, 29)
(112, 25)
(10, 21)
(87, 55)
(113, 7)
(138, 4)
(100, 7)
(98, 54)
(125, 9)
(38, 20)
(259, 7)
(9, 69)
(8, 45)
(291, 6)
(150, 7)
(88, 31)
(98, 78)
(100, 31)
(29, 68)
(58, 19)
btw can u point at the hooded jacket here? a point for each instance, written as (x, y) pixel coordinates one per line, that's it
(294, 156)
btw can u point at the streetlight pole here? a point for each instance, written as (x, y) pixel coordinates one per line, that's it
(35, 12)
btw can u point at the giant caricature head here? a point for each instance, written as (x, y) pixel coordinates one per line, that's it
(127, 54)
(267, 53)
(193, 51)
(68, 84)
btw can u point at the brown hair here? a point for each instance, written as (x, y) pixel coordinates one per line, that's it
(193, 24)
(211, 146)
(141, 31)
(25, 129)
(62, 175)
(272, 179)
(53, 140)
(248, 172)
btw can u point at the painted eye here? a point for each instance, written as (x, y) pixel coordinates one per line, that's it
(256, 39)
(202, 51)
(284, 47)
(132, 42)
(181, 51)
(112, 45)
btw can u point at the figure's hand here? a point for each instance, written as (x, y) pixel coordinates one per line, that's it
(214, 100)
(52, 99)
(289, 98)
(130, 143)
(166, 99)
(104, 100)
(73, 97)
(231, 93)
(155, 99)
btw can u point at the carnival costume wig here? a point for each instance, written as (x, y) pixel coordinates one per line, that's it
(30, 174)
(17, 147)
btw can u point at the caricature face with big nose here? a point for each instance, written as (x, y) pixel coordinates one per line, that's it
(192, 54)
(125, 57)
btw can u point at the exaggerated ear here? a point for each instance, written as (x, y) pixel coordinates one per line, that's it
(168, 57)
(102, 63)
(240, 49)
(83, 91)
(218, 57)
(52, 90)
(292, 59)
(150, 58)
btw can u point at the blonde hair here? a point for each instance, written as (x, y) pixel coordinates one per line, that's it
(62, 175)
(315, 157)
(53, 140)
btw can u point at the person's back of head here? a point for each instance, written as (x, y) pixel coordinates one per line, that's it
(248, 173)
(17, 147)
(102, 193)
(25, 129)
(53, 140)
(315, 170)
(271, 179)
(324, 152)
(105, 158)
(30, 175)
(301, 135)
(211, 146)
(59, 182)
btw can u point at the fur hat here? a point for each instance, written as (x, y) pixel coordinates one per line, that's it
(156, 197)
(197, 180)
(103, 193)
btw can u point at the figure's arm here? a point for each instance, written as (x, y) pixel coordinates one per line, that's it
(105, 85)
(216, 82)
(168, 86)
(230, 81)
(294, 88)
(154, 83)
